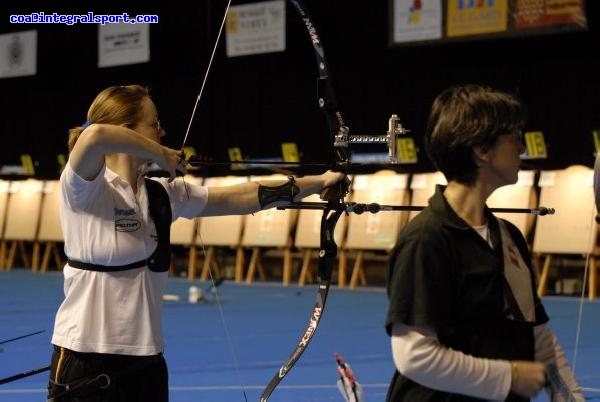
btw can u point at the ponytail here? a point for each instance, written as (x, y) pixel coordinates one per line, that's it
(74, 134)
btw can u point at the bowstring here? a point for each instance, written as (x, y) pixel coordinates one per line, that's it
(210, 271)
(215, 290)
(582, 298)
(212, 56)
(204, 80)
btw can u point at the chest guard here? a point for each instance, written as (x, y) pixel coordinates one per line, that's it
(159, 208)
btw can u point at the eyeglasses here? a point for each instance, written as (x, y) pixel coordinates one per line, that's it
(518, 134)
(156, 125)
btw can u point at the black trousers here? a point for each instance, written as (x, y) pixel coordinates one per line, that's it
(98, 377)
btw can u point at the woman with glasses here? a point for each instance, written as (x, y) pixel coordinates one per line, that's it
(107, 338)
(464, 318)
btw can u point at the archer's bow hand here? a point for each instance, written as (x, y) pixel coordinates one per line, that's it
(336, 186)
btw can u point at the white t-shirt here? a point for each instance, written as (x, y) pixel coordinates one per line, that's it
(105, 223)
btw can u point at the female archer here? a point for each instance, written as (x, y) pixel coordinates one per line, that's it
(107, 338)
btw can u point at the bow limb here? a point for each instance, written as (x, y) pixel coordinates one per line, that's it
(327, 258)
(338, 129)
(332, 211)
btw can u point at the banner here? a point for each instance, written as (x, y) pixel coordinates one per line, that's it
(18, 55)
(256, 28)
(467, 17)
(416, 20)
(123, 43)
(535, 14)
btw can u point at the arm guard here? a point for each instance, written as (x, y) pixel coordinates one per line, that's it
(284, 192)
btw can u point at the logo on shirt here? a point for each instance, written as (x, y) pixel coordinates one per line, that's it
(512, 255)
(124, 212)
(127, 225)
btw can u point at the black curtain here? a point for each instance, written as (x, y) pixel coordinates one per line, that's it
(258, 102)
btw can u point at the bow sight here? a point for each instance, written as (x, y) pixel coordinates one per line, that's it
(395, 129)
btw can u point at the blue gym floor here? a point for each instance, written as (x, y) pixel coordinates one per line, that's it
(264, 323)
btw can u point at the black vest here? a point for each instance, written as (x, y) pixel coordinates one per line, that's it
(159, 207)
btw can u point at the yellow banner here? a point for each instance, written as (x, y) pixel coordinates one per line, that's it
(470, 17)
(290, 152)
(235, 154)
(190, 151)
(62, 161)
(27, 163)
(536, 145)
(407, 152)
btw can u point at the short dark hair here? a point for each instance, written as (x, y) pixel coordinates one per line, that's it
(463, 117)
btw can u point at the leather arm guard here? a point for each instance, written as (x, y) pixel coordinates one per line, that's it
(284, 192)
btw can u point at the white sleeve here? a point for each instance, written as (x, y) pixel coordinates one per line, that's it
(549, 351)
(420, 356)
(78, 193)
(188, 199)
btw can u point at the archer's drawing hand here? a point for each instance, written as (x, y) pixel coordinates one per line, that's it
(170, 161)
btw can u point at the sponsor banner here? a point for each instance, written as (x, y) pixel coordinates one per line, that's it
(417, 20)
(543, 13)
(256, 28)
(123, 43)
(468, 17)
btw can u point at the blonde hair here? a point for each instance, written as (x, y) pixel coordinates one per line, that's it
(114, 105)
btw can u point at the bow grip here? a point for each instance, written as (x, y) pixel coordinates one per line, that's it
(336, 192)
